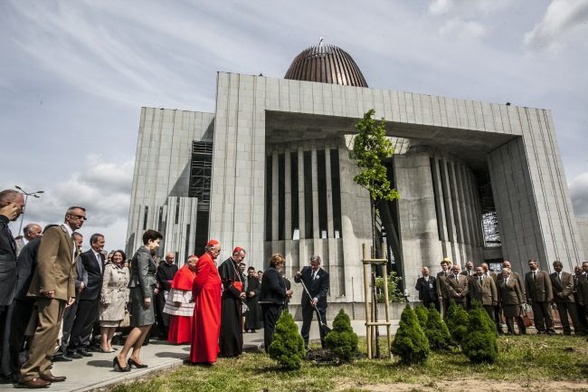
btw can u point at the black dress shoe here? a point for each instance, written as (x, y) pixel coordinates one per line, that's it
(75, 355)
(118, 367)
(61, 358)
(34, 383)
(134, 363)
(85, 352)
(51, 378)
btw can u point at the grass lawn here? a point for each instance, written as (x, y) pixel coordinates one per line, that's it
(529, 363)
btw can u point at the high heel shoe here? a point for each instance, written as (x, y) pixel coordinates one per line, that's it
(118, 367)
(134, 363)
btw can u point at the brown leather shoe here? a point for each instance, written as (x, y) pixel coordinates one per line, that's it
(34, 383)
(51, 378)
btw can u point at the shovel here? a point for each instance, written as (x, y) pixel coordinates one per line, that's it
(324, 327)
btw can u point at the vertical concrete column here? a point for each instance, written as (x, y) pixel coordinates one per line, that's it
(288, 232)
(275, 196)
(301, 210)
(439, 202)
(315, 197)
(329, 185)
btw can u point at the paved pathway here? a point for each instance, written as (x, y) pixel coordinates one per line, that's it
(95, 372)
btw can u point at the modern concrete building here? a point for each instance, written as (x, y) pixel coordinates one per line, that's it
(270, 171)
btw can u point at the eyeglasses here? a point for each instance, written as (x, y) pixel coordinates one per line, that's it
(79, 217)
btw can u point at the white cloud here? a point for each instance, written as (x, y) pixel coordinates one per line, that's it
(564, 21)
(579, 194)
(461, 29)
(102, 188)
(440, 7)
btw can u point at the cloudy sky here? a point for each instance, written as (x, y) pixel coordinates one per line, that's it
(74, 75)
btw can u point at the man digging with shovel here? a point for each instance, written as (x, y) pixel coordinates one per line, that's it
(315, 282)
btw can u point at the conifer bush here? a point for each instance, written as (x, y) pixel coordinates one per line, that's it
(342, 341)
(480, 344)
(422, 314)
(457, 321)
(437, 332)
(410, 342)
(287, 345)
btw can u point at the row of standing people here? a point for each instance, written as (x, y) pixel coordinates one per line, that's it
(506, 294)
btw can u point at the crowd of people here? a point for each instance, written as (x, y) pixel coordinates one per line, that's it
(506, 296)
(58, 303)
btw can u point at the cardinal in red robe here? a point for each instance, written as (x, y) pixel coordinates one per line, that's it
(179, 304)
(207, 291)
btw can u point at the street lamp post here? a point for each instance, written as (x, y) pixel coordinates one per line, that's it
(36, 195)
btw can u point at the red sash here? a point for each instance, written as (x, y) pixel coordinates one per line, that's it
(238, 285)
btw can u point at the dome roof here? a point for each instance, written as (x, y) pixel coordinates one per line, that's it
(326, 64)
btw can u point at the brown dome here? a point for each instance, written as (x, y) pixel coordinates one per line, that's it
(326, 64)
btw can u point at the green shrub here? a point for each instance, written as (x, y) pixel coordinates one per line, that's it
(342, 341)
(287, 345)
(479, 344)
(394, 292)
(410, 342)
(457, 320)
(422, 314)
(436, 331)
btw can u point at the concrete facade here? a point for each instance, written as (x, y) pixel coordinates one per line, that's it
(297, 131)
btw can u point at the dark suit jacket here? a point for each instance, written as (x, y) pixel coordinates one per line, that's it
(7, 263)
(509, 293)
(25, 268)
(427, 290)
(273, 287)
(56, 269)
(94, 272)
(582, 289)
(563, 289)
(317, 287)
(165, 274)
(539, 290)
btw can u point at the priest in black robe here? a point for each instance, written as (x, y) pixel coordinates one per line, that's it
(252, 317)
(231, 333)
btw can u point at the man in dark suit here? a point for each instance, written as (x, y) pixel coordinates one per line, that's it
(30, 232)
(11, 207)
(563, 296)
(426, 285)
(540, 296)
(53, 285)
(23, 306)
(89, 299)
(581, 312)
(316, 281)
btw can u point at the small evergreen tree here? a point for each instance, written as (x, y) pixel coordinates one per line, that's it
(287, 345)
(480, 343)
(457, 320)
(422, 314)
(410, 342)
(436, 331)
(342, 341)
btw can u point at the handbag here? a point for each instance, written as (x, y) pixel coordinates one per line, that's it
(126, 321)
(526, 319)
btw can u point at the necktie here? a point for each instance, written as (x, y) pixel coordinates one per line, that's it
(534, 275)
(99, 261)
(480, 280)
